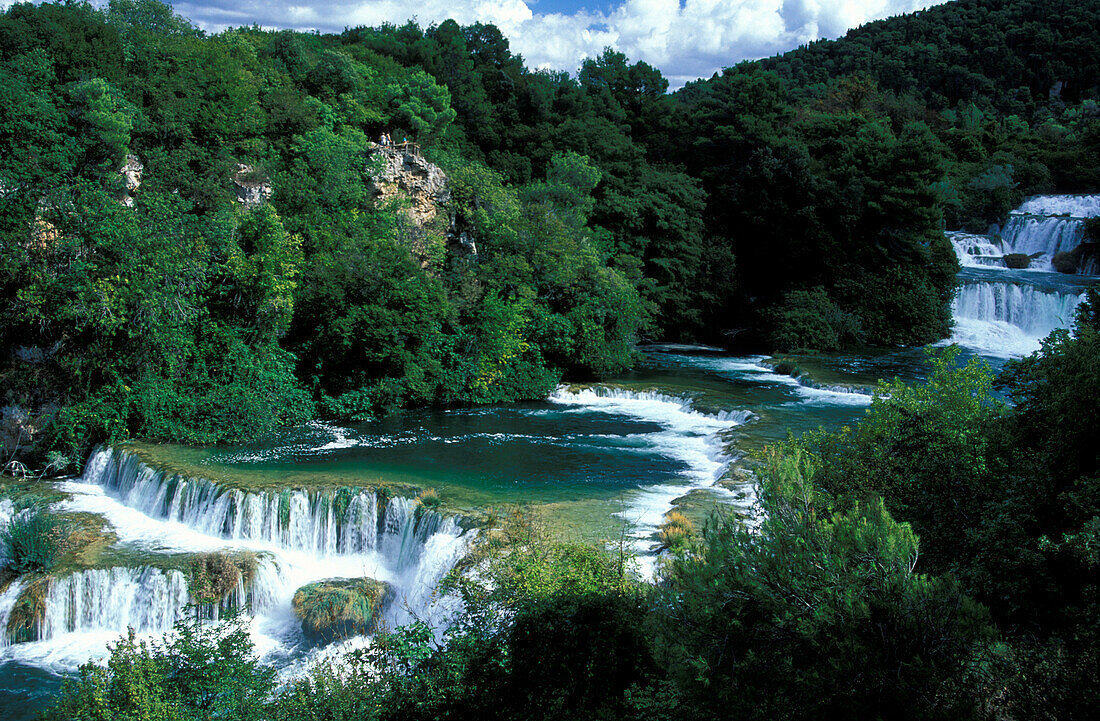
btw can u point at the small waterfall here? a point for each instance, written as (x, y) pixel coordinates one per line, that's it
(325, 523)
(1046, 225)
(1001, 315)
(7, 514)
(1033, 310)
(976, 250)
(7, 603)
(145, 599)
(418, 595)
(1041, 235)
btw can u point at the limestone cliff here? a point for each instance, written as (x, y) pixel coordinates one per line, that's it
(418, 189)
(129, 180)
(251, 187)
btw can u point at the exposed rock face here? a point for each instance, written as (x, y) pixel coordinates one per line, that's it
(421, 191)
(130, 178)
(252, 189)
(407, 176)
(21, 429)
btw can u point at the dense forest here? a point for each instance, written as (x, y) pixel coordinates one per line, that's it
(195, 249)
(791, 203)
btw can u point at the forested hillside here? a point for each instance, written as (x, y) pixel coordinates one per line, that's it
(201, 239)
(796, 202)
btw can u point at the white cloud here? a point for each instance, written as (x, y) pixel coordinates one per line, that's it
(686, 39)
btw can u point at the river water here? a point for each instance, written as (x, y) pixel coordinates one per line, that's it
(603, 462)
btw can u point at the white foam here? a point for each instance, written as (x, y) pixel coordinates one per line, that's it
(1077, 206)
(753, 370)
(1005, 319)
(686, 435)
(88, 610)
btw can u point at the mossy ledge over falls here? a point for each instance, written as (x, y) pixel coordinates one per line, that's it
(324, 522)
(175, 545)
(148, 598)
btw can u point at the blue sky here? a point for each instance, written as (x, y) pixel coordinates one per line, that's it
(686, 39)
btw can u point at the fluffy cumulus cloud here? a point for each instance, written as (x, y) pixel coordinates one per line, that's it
(686, 39)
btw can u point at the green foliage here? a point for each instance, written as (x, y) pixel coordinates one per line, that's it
(201, 672)
(34, 541)
(1004, 499)
(809, 319)
(1092, 229)
(421, 106)
(103, 113)
(928, 450)
(212, 577)
(818, 613)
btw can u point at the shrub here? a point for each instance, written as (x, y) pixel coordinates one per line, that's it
(27, 613)
(34, 541)
(676, 531)
(817, 613)
(1017, 261)
(212, 577)
(810, 319)
(787, 367)
(429, 498)
(202, 671)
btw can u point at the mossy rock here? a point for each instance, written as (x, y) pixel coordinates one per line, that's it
(212, 577)
(787, 367)
(339, 608)
(25, 620)
(1065, 262)
(1017, 261)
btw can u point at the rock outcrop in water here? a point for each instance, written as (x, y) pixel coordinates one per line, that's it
(338, 608)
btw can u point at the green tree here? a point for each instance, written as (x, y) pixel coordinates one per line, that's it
(818, 613)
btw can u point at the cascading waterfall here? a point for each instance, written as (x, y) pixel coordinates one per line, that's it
(1006, 313)
(299, 537)
(1042, 227)
(145, 599)
(7, 603)
(1035, 311)
(1001, 312)
(976, 250)
(1046, 225)
(322, 523)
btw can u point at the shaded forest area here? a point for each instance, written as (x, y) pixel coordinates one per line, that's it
(791, 203)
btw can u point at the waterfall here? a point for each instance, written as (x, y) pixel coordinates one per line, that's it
(7, 515)
(1045, 225)
(325, 523)
(1033, 310)
(1005, 315)
(976, 250)
(145, 599)
(300, 537)
(1041, 235)
(7, 603)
